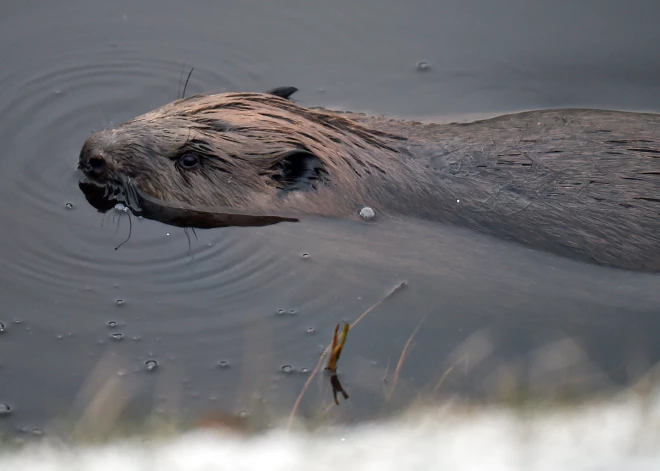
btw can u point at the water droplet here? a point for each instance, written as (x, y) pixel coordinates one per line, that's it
(57, 91)
(68, 205)
(119, 302)
(280, 312)
(311, 330)
(2, 328)
(304, 371)
(223, 364)
(287, 369)
(167, 234)
(367, 213)
(112, 324)
(17, 321)
(151, 365)
(136, 337)
(121, 208)
(292, 311)
(423, 65)
(5, 410)
(305, 255)
(117, 336)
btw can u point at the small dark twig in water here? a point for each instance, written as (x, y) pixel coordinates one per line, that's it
(320, 362)
(130, 230)
(335, 352)
(183, 95)
(337, 388)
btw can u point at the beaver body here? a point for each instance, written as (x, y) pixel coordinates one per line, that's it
(578, 183)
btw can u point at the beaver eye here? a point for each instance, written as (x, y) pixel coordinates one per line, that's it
(188, 161)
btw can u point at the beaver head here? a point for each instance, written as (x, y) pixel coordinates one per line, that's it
(241, 150)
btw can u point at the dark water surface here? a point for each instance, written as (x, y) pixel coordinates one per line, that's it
(493, 313)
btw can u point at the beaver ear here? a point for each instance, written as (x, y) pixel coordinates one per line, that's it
(298, 171)
(282, 92)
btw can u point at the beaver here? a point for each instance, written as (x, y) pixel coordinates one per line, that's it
(581, 183)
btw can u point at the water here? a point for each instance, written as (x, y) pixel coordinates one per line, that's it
(491, 312)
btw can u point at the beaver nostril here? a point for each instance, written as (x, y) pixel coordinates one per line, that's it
(96, 165)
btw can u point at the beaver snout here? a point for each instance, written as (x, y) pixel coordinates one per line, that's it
(94, 167)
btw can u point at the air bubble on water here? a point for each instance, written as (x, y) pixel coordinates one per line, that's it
(2, 328)
(117, 336)
(167, 233)
(68, 205)
(287, 369)
(223, 364)
(367, 213)
(151, 365)
(423, 66)
(112, 324)
(136, 337)
(5, 410)
(119, 302)
(280, 312)
(311, 330)
(304, 371)
(292, 311)
(121, 208)
(243, 414)
(305, 255)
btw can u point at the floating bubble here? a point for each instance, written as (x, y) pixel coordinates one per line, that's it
(367, 213)
(119, 302)
(5, 410)
(423, 66)
(112, 324)
(305, 255)
(151, 365)
(2, 328)
(117, 336)
(311, 330)
(121, 208)
(68, 205)
(223, 364)
(287, 369)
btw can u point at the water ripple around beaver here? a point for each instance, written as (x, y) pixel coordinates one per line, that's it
(64, 283)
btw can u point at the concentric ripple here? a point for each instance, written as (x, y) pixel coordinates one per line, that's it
(57, 250)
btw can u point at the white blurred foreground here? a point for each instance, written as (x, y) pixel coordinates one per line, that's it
(612, 435)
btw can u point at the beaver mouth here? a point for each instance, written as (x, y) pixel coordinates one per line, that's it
(108, 195)
(105, 195)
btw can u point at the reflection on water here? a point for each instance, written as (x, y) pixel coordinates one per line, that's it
(230, 319)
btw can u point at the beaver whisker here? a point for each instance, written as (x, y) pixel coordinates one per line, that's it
(183, 94)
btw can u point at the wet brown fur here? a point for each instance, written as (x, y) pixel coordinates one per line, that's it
(580, 183)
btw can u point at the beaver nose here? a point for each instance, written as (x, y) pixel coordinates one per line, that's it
(95, 166)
